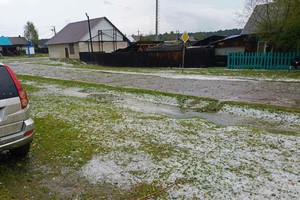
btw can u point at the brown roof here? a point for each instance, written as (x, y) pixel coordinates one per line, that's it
(74, 32)
(18, 40)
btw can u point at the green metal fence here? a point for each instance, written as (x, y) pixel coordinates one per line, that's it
(267, 61)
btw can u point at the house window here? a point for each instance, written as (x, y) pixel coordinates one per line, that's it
(71, 49)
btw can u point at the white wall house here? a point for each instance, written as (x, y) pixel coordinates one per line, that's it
(75, 38)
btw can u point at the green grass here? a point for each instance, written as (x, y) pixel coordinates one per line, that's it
(58, 144)
(70, 131)
(57, 139)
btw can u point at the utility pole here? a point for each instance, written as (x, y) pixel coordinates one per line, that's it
(88, 18)
(156, 22)
(53, 30)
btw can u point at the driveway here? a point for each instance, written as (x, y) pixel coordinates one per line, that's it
(260, 91)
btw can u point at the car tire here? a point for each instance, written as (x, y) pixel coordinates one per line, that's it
(20, 152)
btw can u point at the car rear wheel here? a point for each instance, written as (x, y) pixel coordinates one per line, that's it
(20, 152)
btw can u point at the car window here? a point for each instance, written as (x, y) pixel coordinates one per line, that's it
(7, 86)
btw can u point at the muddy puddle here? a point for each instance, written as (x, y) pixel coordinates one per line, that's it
(179, 113)
(145, 105)
(218, 118)
(176, 112)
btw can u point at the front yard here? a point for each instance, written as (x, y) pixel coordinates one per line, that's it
(99, 142)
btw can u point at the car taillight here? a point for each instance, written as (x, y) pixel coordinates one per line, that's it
(23, 98)
(28, 133)
(22, 94)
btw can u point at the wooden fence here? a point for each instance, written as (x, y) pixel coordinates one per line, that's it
(267, 61)
(194, 58)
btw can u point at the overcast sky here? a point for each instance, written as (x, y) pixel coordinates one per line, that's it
(128, 16)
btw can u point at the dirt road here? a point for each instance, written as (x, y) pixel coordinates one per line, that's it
(278, 93)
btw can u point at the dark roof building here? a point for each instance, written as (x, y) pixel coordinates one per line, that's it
(207, 41)
(167, 48)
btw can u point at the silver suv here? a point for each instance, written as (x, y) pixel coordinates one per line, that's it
(16, 126)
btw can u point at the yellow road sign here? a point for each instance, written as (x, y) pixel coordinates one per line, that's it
(185, 37)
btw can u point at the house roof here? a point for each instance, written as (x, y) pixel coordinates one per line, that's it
(4, 41)
(230, 38)
(74, 32)
(18, 40)
(252, 24)
(10, 41)
(259, 16)
(209, 40)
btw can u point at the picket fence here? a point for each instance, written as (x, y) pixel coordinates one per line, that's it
(266, 61)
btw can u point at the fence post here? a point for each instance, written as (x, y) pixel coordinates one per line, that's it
(264, 60)
(277, 59)
(286, 64)
(233, 60)
(246, 59)
(240, 61)
(228, 61)
(252, 61)
(268, 59)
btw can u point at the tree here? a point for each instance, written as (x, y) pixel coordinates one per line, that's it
(275, 21)
(30, 33)
(288, 35)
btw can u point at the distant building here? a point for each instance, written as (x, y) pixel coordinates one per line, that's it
(141, 46)
(41, 47)
(206, 42)
(74, 39)
(10, 46)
